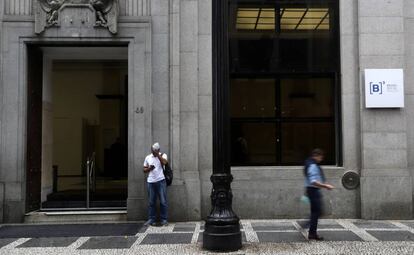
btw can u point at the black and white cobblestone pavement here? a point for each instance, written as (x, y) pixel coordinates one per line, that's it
(259, 237)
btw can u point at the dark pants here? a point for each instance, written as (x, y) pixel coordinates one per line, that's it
(157, 190)
(315, 198)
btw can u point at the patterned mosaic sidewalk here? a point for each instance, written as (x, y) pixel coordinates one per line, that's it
(132, 236)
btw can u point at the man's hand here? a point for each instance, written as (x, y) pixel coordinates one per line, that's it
(162, 160)
(329, 187)
(148, 169)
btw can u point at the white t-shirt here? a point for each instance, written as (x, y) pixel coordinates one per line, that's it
(157, 174)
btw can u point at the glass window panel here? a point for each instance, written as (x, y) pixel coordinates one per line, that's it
(246, 26)
(293, 13)
(262, 18)
(266, 21)
(294, 54)
(247, 20)
(253, 143)
(298, 140)
(308, 55)
(310, 21)
(252, 98)
(244, 59)
(249, 9)
(247, 13)
(268, 14)
(315, 15)
(307, 21)
(323, 27)
(289, 21)
(265, 27)
(325, 21)
(318, 9)
(267, 10)
(288, 27)
(301, 98)
(306, 27)
(301, 110)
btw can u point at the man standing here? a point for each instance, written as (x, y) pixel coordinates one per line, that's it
(314, 181)
(157, 186)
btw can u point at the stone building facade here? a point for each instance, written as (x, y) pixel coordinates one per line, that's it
(168, 48)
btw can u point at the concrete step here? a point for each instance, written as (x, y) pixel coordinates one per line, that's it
(76, 216)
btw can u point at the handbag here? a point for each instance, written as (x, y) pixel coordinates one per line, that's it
(168, 174)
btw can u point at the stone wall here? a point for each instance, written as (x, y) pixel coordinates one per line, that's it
(386, 181)
(409, 84)
(376, 143)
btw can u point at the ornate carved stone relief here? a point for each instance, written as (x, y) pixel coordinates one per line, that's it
(47, 12)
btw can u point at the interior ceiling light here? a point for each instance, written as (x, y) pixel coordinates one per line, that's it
(290, 19)
(255, 19)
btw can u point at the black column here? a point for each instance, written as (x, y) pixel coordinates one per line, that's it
(222, 228)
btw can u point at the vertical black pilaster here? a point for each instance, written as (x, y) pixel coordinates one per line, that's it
(222, 228)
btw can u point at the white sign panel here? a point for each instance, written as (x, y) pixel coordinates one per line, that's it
(384, 88)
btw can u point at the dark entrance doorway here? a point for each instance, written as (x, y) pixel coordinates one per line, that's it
(80, 124)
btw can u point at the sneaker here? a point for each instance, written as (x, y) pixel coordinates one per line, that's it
(164, 223)
(315, 237)
(149, 223)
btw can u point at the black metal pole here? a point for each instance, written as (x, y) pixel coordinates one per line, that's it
(222, 228)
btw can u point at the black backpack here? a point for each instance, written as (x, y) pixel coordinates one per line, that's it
(168, 173)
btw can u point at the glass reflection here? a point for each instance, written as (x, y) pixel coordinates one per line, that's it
(252, 98)
(298, 140)
(253, 143)
(284, 65)
(312, 97)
